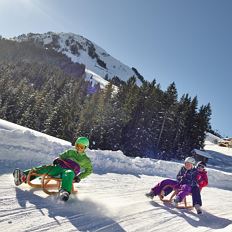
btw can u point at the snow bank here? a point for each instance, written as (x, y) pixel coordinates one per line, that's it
(12, 127)
(24, 148)
(117, 162)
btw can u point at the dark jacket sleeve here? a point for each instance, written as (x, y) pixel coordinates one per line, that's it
(180, 174)
(188, 177)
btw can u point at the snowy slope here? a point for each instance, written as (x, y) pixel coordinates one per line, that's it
(111, 199)
(94, 79)
(79, 49)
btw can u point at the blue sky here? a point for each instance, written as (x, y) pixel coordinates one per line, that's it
(185, 41)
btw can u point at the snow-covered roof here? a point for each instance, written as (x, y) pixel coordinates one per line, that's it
(202, 153)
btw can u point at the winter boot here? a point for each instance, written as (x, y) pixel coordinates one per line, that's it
(162, 195)
(176, 201)
(150, 194)
(19, 177)
(63, 195)
(198, 209)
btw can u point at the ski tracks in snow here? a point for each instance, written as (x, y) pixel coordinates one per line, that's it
(108, 202)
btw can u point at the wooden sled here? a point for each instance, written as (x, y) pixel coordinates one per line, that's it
(181, 205)
(49, 184)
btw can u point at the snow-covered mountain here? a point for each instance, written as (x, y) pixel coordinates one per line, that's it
(110, 199)
(83, 51)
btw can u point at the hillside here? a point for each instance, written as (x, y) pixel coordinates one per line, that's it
(111, 199)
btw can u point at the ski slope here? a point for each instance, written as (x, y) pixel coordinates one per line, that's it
(111, 199)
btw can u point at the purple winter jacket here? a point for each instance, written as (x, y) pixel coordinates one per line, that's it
(69, 164)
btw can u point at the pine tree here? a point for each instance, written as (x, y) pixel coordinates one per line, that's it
(167, 114)
(57, 121)
(128, 96)
(203, 125)
(87, 121)
(187, 135)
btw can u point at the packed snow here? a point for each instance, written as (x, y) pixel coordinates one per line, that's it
(110, 199)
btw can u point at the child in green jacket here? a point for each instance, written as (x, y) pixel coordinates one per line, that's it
(70, 165)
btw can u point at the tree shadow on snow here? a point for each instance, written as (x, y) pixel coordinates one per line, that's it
(85, 215)
(206, 219)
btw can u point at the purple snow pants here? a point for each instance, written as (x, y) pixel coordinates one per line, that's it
(157, 189)
(184, 189)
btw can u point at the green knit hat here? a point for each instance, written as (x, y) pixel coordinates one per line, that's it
(83, 141)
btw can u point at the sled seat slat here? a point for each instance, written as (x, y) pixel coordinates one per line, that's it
(181, 205)
(49, 184)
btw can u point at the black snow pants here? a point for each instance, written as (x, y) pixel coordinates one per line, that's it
(196, 196)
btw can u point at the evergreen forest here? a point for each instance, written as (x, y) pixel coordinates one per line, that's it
(43, 90)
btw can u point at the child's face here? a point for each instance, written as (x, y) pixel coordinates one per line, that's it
(80, 148)
(200, 168)
(188, 165)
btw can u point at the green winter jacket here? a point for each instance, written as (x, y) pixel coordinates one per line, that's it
(80, 158)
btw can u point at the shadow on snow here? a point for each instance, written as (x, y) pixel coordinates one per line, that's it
(85, 215)
(205, 220)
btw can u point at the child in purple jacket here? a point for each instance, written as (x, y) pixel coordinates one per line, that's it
(186, 179)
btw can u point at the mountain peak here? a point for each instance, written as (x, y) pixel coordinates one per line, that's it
(83, 51)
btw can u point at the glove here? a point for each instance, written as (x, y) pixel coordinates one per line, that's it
(56, 161)
(76, 179)
(181, 181)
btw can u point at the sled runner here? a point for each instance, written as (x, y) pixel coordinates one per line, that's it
(181, 205)
(49, 184)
